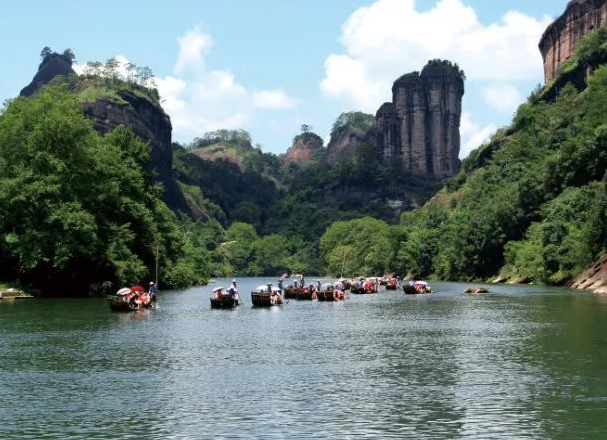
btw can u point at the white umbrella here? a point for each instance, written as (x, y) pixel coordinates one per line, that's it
(123, 291)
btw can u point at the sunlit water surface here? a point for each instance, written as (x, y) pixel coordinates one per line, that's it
(521, 362)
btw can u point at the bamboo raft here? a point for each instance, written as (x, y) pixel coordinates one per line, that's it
(412, 290)
(291, 293)
(328, 293)
(117, 304)
(225, 302)
(306, 295)
(265, 299)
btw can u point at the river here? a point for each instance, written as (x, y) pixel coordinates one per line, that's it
(521, 362)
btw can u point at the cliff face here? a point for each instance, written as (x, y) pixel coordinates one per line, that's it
(420, 127)
(51, 67)
(149, 122)
(303, 148)
(145, 118)
(561, 38)
(343, 146)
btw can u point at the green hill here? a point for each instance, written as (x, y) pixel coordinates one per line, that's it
(531, 203)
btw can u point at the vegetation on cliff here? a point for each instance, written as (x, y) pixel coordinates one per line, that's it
(530, 204)
(77, 208)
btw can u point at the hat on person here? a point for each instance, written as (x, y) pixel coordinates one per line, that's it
(151, 283)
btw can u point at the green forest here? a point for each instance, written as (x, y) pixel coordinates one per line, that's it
(82, 213)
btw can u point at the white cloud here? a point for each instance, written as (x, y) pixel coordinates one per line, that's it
(473, 135)
(200, 99)
(391, 37)
(121, 67)
(502, 96)
(193, 47)
(273, 99)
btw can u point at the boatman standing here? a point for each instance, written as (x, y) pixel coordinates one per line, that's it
(153, 291)
(280, 285)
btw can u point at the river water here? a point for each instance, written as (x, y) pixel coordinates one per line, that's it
(522, 362)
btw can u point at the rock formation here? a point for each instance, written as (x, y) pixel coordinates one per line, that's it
(562, 37)
(144, 117)
(303, 148)
(51, 67)
(419, 129)
(148, 121)
(594, 278)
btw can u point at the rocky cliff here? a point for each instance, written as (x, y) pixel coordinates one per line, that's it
(562, 37)
(304, 147)
(51, 67)
(419, 129)
(143, 115)
(148, 121)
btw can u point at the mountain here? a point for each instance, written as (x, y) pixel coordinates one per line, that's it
(528, 206)
(52, 66)
(306, 146)
(561, 39)
(111, 102)
(419, 129)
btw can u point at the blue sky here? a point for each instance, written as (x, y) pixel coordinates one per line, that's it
(269, 66)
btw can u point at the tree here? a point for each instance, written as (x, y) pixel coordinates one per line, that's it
(69, 54)
(76, 207)
(110, 70)
(45, 52)
(305, 128)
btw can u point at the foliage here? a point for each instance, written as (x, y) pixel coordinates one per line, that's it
(351, 120)
(77, 208)
(47, 54)
(366, 245)
(446, 63)
(529, 204)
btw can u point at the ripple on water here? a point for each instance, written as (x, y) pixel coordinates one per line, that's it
(514, 364)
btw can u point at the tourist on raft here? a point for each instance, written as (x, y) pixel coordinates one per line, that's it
(153, 291)
(233, 290)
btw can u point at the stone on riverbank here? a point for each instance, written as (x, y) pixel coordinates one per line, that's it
(14, 294)
(476, 290)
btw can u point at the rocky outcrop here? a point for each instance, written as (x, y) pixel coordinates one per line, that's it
(420, 127)
(343, 146)
(594, 278)
(303, 149)
(148, 121)
(562, 37)
(51, 67)
(143, 116)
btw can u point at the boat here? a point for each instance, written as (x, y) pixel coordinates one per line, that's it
(368, 287)
(223, 300)
(129, 299)
(292, 292)
(417, 288)
(329, 293)
(261, 297)
(306, 294)
(392, 284)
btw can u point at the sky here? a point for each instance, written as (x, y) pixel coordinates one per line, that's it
(269, 66)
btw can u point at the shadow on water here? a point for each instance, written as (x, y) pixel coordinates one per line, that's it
(523, 362)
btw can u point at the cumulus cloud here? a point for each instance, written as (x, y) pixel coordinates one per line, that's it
(273, 99)
(200, 99)
(473, 134)
(121, 69)
(502, 96)
(390, 37)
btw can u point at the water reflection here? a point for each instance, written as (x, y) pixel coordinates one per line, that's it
(506, 365)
